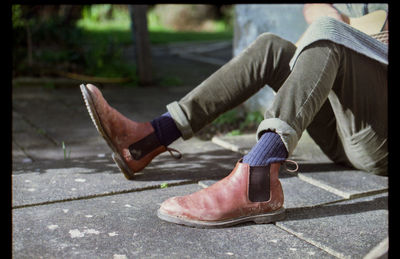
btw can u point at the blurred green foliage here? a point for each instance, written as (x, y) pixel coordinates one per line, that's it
(165, 37)
(240, 119)
(160, 33)
(74, 47)
(90, 42)
(171, 81)
(231, 116)
(252, 119)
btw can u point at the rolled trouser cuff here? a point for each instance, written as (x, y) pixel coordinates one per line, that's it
(285, 131)
(181, 121)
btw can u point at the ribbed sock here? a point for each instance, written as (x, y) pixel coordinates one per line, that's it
(165, 129)
(269, 149)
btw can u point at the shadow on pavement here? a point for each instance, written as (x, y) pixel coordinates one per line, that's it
(378, 203)
(208, 165)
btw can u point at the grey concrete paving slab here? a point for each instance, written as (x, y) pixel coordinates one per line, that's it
(241, 144)
(300, 194)
(88, 176)
(344, 182)
(381, 250)
(126, 226)
(24, 138)
(49, 117)
(50, 120)
(348, 229)
(26, 135)
(92, 147)
(19, 156)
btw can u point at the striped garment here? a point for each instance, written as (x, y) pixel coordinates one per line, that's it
(327, 28)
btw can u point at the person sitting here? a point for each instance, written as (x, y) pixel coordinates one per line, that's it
(332, 84)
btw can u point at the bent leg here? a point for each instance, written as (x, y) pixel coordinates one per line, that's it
(359, 101)
(323, 130)
(357, 95)
(265, 61)
(303, 93)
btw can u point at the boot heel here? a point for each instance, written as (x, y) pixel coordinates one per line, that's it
(122, 167)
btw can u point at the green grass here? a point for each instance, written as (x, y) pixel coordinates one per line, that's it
(159, 34)
(67, 154)
(164, 185)
(119, 29)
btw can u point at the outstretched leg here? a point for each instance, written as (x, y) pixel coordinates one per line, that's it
(266, 61)
(134, 144)
(353, 130)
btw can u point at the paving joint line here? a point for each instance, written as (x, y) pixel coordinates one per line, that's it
(338, 192)
(379, 250)
(315, 244)
(229, 146)
(69, 106)
(37, 129)
(93, 196)
(23, 150)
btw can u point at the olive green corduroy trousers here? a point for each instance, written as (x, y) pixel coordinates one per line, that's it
(338, 95)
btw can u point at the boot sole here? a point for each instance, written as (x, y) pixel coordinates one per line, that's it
(258, 219)
(123, 167)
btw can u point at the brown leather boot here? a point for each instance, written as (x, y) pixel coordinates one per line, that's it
(134, 143)
(246, 194)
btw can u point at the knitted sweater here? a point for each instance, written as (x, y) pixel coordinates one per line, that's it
(327, 28)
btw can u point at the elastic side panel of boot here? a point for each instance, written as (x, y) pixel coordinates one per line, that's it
(259, 183)
(144, 146)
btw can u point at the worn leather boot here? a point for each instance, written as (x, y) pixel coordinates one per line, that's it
(246, 194)
(134, 143)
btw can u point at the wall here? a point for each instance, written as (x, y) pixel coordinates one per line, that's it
(284, 20)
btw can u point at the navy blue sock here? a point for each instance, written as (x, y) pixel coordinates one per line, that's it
(165, 129)
(269, 149)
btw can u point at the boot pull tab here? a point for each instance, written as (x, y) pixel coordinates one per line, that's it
(292, 162)
(177, 155)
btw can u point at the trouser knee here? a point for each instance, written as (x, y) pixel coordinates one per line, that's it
(278, 43)
(275, 54)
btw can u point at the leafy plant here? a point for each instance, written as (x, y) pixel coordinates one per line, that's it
(252, 119)
(171, 81)
(66, 155)
(234, 133)
(238, 119)
(230, 116)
